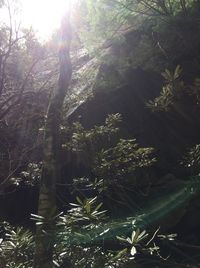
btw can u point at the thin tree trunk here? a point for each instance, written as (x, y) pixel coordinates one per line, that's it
(51, 166)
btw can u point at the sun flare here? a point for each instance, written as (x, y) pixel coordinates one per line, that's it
(43, 15)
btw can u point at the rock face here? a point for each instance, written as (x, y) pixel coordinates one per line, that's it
(123, 84)
(126, 76)
(171, 134)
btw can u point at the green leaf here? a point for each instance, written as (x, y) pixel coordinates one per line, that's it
(121, 238)
(99, 206)
(74, 205)
(120, 254)
(142, 235)
(79, 200)
(133, 236)
(55, 263)
(88, 207)
(34, 216)
(177, 71)
(137, 232)
(92, 200)
(133, 251)
(129, 240)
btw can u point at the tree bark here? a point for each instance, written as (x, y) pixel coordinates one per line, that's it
(51, 167)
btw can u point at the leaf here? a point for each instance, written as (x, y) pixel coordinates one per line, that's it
(177, 71)
(63, 254)
(74, 205)
(100, 212)
(133, 236)
(167, 71)
(78, 234)
(137, 233)
(79, 200)
(99, 206)
(121, 238)
(39, 223)
(133, 222)
(142, 235)
(129, 240)
(104, 232)
(55, 263)
(92, 200)
(37, 216)
(133, 251)
(120, 254)
(88, 207)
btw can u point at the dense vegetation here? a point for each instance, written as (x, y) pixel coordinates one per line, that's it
(99, 138)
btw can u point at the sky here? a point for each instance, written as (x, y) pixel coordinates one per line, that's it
(43, 15)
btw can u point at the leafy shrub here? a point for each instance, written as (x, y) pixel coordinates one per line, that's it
(17, 247)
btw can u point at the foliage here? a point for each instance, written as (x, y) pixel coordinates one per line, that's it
(84, 240)
(86, 209)
(85, 139)
(170, 97)
(172, 87)
(123, 159)
(135, 239)
(122, 15)
(31, 176)
(172, 91)
(192, 158)
(109, 157)
(83, 233)
(17, 248)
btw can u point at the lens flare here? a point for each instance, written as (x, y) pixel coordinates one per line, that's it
(43, 15)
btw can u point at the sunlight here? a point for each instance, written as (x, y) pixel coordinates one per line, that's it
(43, 15)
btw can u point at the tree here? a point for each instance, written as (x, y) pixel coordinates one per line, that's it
(51, 165)
(25, 86)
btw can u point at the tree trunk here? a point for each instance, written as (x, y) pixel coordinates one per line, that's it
(51, 167)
